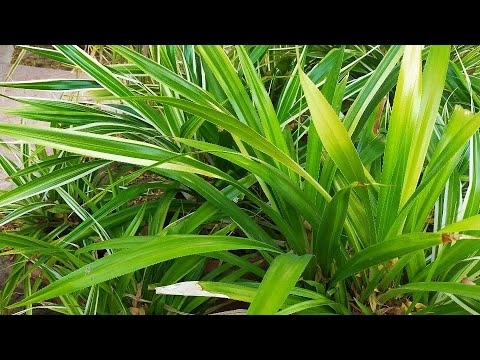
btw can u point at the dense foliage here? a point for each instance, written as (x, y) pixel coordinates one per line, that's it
(277, 179)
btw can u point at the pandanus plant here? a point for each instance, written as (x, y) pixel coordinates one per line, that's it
(305, 179)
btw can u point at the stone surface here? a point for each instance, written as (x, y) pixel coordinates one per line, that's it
(5, 269)
(6, 53)
(22, 73)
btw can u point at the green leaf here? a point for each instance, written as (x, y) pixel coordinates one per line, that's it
(378, 253)
(50, 181)
(460, 128)
(147, 254)
(278, 282)
(314, 146)
(53, 85)
(158, 218)
(472, 197)
(266, 172)
(470, 223)
(432, 88)
(58, 111)
(337, 143)
(102, 146)
(243, 292)
(167, 77)
(122, 198)
(270, 124)
(400, 135)
(291, 88)
(470, 291)
(108, 80)
(304, 305)
(44, 165)
(332, 133)
(228, 79)
(22, 211)
(244, 133)
(327, 239)
(192, 221)
(257, 52)
(25, 244)
(137, 220)
(180, 268)
(143, 154)
(379, 83)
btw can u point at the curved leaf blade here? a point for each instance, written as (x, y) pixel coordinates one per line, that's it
(278, 282)
(129, 260)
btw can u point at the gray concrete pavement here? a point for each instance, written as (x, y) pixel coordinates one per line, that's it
(25, 73)
(6, 53)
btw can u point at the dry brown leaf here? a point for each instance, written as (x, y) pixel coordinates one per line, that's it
(467, 281)
(420, 306)
(404, 309)
(137, 311)
(391, 263)
(307, 225)
(447, 238)
(383, 311)
(373, 302)
(36, 273)
(376, 125)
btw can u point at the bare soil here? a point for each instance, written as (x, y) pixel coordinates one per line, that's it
(31, 59)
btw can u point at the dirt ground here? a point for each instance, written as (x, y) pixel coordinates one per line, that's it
(31, 59)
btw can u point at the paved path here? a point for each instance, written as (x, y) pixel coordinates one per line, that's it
(26, 73)
(21, 73)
